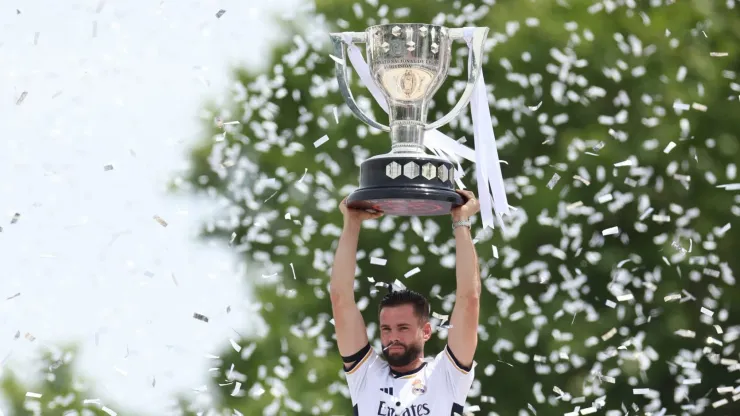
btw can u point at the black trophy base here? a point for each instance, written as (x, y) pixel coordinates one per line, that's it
(406, 185)
(405, 202)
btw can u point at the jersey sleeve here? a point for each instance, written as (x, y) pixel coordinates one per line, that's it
(459, 378)
(366, 365)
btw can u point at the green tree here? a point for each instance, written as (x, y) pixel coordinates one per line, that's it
(590, 91)
(62, 390)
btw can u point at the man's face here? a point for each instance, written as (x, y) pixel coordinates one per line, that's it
(402, 335)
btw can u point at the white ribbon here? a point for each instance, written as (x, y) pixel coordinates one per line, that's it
(487, 164)
(485, 155)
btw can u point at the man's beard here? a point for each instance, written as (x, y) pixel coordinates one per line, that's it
(410, 353)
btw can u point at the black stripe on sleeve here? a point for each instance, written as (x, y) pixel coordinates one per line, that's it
(357, 356)
(457, 409)
(457, 363)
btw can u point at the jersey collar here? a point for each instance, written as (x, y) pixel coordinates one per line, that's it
(397, 374)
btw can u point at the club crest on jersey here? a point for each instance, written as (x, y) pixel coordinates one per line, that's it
(418, 387)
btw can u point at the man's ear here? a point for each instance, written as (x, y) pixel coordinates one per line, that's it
(427, 330)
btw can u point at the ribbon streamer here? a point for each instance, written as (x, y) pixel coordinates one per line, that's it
(485, 156)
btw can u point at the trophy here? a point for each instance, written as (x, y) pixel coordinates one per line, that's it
(408, 63)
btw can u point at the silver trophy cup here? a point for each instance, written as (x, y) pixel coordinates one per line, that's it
(408, 63)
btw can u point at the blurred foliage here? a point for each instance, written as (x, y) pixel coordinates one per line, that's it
(62, 390)
(575, 87)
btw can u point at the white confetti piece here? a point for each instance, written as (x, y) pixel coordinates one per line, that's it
(495, 251)
(624, 163)
(399, 284)
(579, 178)
(610, 231)
(706, 311)
(161, 222)
(23, 96)
(718, 54)
(699, 107)
(609, 334)
(377, 260)
(412, 272)
(293, 270)
(611, 303)
(691, 381)
(536, 107)
(670, 147)
(686, 333)
(723, 390)
(234, 345)
(672, 297)
(625, 297)
(588, 410)
(555, 178)
(730, 187)
(321, 141)
(109, 411)
(237, 387)
(33, 395)
(605, 198)
(719, 403)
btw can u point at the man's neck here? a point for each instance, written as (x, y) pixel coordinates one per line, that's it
(413, 365)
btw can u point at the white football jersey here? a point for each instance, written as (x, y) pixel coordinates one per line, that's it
(438, 388)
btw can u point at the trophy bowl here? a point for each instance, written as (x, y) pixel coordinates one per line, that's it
(408, 63)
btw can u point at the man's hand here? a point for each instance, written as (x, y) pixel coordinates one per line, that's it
(354, 217)
(470, 208)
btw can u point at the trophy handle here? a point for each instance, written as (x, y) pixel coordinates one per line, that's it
(341, 70)
(475, 66)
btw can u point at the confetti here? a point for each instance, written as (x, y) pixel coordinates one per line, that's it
(321, 141)
(161, 222)
(34, 395)
(107, 167)
(579, 178)
(555, 178)
(21, 98)
(626, 297)
(14, 296)
(378, 261)
(412, 272)
(200, 317)
(706, 311)
(718, 54)
(605, 198)
(536, 107)
(220, 13)
(623, 163)
(234, 345)
(15, 218)
(108, 410)
(669, 147)
(610, 231)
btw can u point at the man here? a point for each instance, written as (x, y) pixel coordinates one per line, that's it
(404, 384)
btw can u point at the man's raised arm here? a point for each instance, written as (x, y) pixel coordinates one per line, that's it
(348, 322)
(462, 337)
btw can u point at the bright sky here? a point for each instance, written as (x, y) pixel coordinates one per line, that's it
(116, 83)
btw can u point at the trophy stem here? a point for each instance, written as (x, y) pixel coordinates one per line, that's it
(407, 137)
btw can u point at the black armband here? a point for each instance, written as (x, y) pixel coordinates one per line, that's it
(357, 356)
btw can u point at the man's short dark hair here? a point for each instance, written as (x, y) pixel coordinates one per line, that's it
(407, 297)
